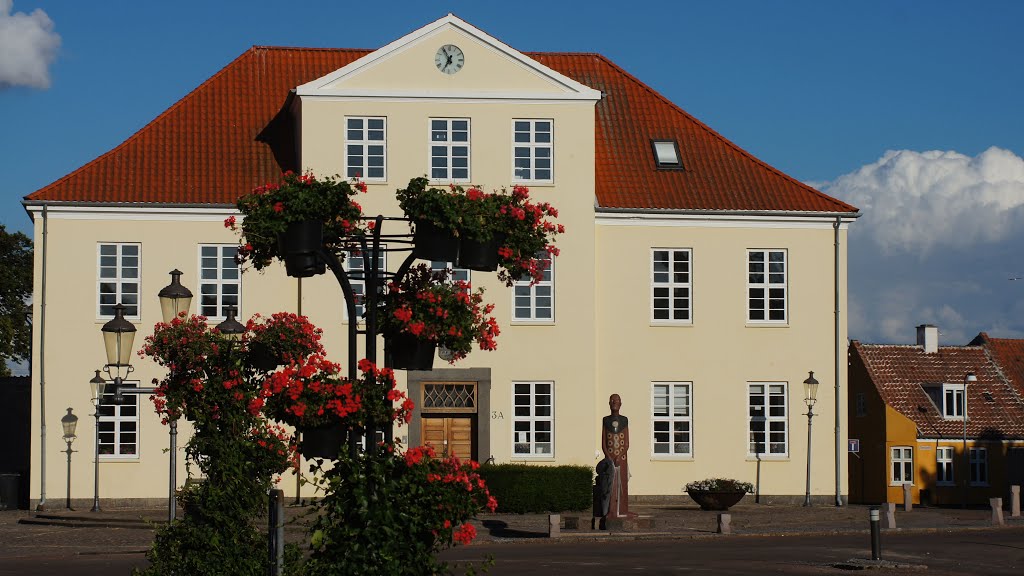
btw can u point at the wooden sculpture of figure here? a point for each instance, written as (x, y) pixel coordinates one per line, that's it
(615, 443)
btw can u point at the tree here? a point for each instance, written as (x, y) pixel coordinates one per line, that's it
(15, 290)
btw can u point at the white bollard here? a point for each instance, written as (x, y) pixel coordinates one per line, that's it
(554, 529)
(997, 510)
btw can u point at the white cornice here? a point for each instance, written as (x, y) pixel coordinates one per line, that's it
(121, 212)
(573, 90)
(811, 220)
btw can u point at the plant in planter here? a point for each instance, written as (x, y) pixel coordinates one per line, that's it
(425, 307)
(718, 493)
(528, 233)
(436, 214)
(283, 337)
(290, 210)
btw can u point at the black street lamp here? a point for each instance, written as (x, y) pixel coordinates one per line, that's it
(69, 422)
(99, 386)
(969, 378)
(174, 298)
(230, 327)
(118, 336)
(811, 388)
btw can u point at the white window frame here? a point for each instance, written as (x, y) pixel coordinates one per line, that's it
(455, 273)
(522, 289)
(945, 457)
(768, 419)
(979, 466)
(118, 420)
(953, 410)
(219, 282)
(119, 279)
(898, 456)
(672, 285)
(679, 419)
(448, 143)
(766, 286)
(532, 419)
(364, 142)
(533, 147)
(359, 285)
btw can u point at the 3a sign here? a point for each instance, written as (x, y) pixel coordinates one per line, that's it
(853, 445)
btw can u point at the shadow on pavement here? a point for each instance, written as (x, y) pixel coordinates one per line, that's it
(500, 529)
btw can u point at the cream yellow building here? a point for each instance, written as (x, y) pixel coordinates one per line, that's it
(694, 280)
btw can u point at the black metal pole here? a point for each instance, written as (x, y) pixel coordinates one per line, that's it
(876, 535)
(172, 496)
(275, 533)
(67, 503)
(96, 466)
(810, 415)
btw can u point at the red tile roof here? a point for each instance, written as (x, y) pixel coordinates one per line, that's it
(1009, 355)
(233, 133)
(899, 371)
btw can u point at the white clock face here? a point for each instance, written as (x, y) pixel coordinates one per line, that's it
(449, 59)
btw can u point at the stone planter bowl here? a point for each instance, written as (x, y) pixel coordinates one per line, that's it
(716, 500)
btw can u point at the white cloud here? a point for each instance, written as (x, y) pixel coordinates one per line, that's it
(914, 202)
(28, 45)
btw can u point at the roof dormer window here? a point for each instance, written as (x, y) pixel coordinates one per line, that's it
(953, 400)
(666, 154)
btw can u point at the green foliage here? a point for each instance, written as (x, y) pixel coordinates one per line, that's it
(439, 206)
(270, 208)
(385, 513)
(15, 289)
(527, 488)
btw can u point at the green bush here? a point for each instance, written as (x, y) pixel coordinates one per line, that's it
(526, 488)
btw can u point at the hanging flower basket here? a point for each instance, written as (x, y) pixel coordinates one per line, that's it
(434, 243)
(322, 441)
(299, 244)
(261, 357)
(407, 352)
(480, 256)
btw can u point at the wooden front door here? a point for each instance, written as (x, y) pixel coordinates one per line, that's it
(450, 435)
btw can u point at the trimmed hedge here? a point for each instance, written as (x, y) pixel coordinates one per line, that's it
(526, 488)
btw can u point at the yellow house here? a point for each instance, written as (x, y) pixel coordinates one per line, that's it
(694, 280)
(942, 419)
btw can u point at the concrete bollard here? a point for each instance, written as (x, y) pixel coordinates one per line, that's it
(890, 514)
(1015, 501)
(908, 497)
(554, 530)
(724, 523)
(997, 510)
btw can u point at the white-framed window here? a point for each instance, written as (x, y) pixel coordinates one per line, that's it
(670, 286)
(449, 149)
(117, 278)
(768, 419)
(456, 273)
(356, 264)
(535, 303)
(670, 417)
(953, 401)
(766, 286)
(532, 149)
(902, 465)
(220, 280)
(119, 427)
(979, 467)
(533, 423)
(944, 466)
(366, 148)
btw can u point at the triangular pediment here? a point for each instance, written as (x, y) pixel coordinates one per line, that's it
(406, 68)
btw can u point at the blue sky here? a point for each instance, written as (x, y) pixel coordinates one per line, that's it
(910, 110)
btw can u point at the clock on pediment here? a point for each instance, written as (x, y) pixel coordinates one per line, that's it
(449, 59)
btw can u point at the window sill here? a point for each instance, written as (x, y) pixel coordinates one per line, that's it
(946, 484)
(532, 323)
(532, 459)
(767, 324)
(108, 460)
(534, 184)
(982, 485)
(768, 458)
(659, 324)
(671, 458)
(900, 484)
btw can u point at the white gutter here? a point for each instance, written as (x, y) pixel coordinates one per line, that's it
(838, 373)
(42, 375)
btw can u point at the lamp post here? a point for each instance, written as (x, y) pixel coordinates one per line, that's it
(968, 379)
(69, 422)
(118, 336)
(99, 386)
(174, 300)
(811, 389)
(230, 327)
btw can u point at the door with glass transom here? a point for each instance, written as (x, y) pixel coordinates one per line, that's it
(448, 418)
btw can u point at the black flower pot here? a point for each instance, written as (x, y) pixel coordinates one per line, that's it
(298, 245)
(715, 499)
(261, 357)
(434, 243)
(482, 256)
(407, 352)
(322, 441)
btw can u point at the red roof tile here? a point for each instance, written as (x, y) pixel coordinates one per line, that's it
(231, 134)
(899, 371)
(1009, 355)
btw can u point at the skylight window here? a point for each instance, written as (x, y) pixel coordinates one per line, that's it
(666, 154)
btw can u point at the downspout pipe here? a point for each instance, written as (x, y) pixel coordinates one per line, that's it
(838, 374)
(42, 374)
